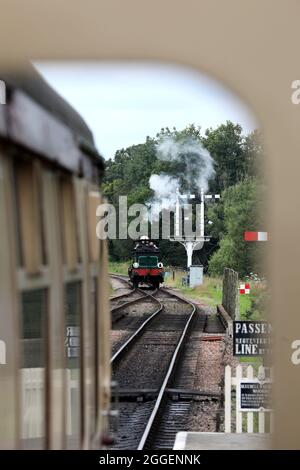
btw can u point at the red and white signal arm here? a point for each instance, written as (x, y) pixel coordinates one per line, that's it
(245, 288)
(256, 236)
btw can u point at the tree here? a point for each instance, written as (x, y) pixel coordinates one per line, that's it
(236, 159)
(226, 145)
(241, 210)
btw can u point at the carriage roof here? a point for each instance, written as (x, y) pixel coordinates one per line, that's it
(31, 82)
(76, 145)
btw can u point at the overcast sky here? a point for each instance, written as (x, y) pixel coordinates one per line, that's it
(124, 102)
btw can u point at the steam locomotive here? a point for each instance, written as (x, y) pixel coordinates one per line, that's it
(146, 267)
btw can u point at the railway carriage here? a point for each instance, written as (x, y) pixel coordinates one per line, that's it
(54, 319)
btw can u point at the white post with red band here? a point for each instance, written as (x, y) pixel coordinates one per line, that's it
(256, 236)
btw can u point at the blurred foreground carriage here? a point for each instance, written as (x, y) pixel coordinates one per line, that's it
(54, 315)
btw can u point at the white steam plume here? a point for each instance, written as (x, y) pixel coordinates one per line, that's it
(164, 187)
(195, 164)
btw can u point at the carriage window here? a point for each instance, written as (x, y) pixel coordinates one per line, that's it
(33, 357)
(29, 216)
(69, 226)
(72, 343)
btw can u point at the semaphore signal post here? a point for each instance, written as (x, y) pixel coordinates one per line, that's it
(189, 239)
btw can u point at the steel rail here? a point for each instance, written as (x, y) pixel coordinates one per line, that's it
(130, 302)
(118, 354)
(118, 297)
(119, 276)
(171, 369)
(125, 281)
(125, 346)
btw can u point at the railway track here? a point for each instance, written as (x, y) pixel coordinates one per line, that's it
(145, 365)
(159, 409)
(125, 319)
(134, 295)
(119, 304)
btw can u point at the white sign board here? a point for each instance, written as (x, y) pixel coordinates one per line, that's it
(254, 394)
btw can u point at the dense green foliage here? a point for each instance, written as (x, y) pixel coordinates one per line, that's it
(239, 210)
(236, 158)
